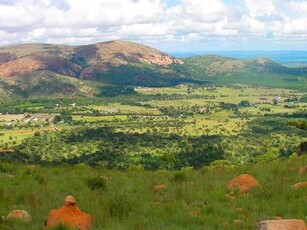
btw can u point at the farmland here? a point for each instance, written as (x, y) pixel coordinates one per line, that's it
(158, 127)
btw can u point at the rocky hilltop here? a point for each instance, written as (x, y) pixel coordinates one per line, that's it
(78, 61)
(41, 70)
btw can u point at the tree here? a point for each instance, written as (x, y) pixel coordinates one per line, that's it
(302, 148)
(245, 103)
(56, 119)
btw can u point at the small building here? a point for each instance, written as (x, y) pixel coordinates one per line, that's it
(7, 150)
(262, 100)
(203, 109)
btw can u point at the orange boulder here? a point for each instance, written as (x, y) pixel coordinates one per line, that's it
(243, 182)
(19, 214)
(303, 170)
(159, 187)
(70, 215)
(291, 224)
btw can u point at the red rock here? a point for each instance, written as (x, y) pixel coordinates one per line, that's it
(69, 215)
(281, 225)
(299, 185)
(19, 214)
(303, 170)
(159, 187)
(196, 212)
(243, 182)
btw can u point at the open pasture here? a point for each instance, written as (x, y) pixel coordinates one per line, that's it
(117, 108)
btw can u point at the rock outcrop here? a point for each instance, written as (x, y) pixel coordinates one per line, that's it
(243, 183)
(291, 224)
(69, 215)
(19, 214)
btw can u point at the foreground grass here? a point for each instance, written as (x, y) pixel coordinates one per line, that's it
(193, 199)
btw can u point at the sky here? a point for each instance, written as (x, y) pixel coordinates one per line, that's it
(168, 25)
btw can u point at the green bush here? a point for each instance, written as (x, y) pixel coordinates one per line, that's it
(5, 168)
(179, 177)
(96, 182)
(119, 206)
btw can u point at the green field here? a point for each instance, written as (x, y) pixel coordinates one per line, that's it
(100, 118)
(157, 127)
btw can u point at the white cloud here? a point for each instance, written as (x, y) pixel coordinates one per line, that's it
(94, 13)
(298, 26)
(297, 5)
(18, 17)
(149, 29)
(258, 8)
(187, 21)
(205, 11)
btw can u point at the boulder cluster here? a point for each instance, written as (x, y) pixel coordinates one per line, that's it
(69, 215)
(245, 182)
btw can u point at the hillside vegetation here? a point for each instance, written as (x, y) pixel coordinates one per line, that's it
(157, 128)
(257, 72)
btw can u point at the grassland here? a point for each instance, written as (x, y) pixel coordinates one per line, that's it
(193, 199)
(124, 109)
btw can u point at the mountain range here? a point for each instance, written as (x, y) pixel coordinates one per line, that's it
(109, 68)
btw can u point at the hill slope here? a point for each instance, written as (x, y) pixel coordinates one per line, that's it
(261, 71)
(115, 62)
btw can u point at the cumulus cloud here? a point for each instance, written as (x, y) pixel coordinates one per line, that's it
(258, 8)
(204, 11)
(297, 5)
(152, 21)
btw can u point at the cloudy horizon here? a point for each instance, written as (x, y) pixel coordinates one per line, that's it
(169, 25)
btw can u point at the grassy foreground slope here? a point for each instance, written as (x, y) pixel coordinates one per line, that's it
(193, 199)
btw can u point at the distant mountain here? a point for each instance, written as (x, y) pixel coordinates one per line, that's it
(26, 70)
(260, 71)
(109, 68)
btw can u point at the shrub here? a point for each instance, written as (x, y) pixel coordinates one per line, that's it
(220, 163)
(5, 168)
(119, 206)
(96, 182)
(179, 177)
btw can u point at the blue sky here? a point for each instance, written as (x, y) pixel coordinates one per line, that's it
(169, 25)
